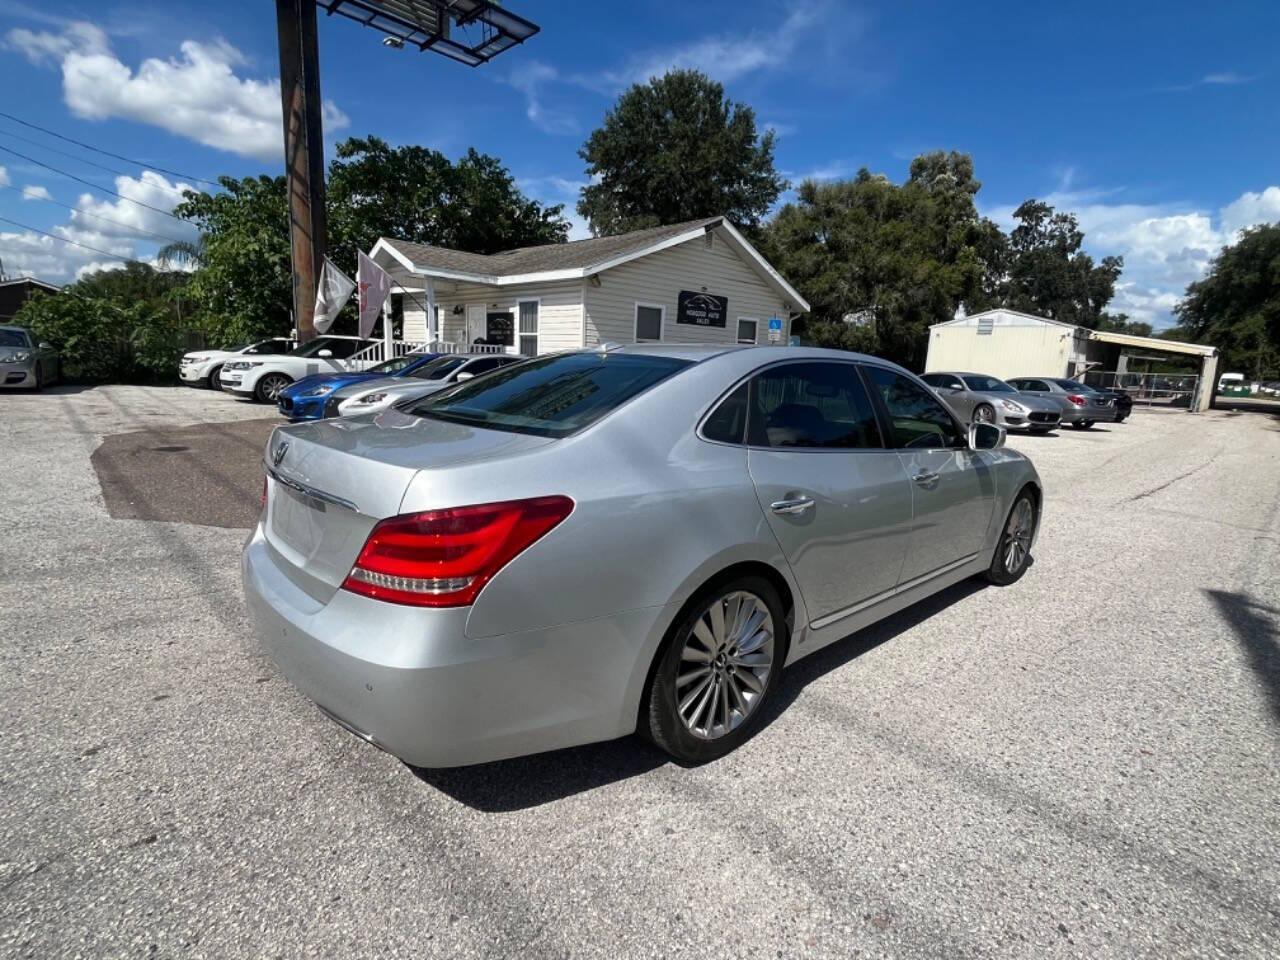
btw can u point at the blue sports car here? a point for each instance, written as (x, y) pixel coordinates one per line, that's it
(305, 399)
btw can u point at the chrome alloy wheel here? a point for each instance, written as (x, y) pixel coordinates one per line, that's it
(984, 414)
(725, 664)
(272, 387)
(1017, 536)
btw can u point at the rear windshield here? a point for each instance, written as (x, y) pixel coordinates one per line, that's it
(988, 385)
(551, 396)
(1075, 385)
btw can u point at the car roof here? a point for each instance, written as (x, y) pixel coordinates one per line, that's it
(700, 352)
(959, 373)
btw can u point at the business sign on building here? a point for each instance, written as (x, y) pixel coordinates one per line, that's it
(701, 309)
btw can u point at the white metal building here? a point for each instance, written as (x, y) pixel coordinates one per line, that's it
(1006, 343)
(696, 282)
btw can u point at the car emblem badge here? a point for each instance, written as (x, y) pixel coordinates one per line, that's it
(281, 450)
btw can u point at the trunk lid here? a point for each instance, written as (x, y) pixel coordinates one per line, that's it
(337, 478)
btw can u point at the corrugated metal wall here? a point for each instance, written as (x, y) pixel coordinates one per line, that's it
(1009, 346)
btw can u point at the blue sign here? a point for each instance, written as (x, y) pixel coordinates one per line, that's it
(775, 323)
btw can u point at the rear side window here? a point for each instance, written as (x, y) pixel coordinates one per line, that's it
(551, 396)
(811, 405)
(728, 422)
(918, 419)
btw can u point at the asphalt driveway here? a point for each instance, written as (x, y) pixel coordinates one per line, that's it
(1084, 764)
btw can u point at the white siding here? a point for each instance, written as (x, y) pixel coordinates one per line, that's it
(415, 320)
(1017, 346)
(559, 310)
(659, 278)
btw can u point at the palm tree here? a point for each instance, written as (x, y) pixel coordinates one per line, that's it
(184, 253)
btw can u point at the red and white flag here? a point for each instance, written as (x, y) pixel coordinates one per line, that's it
(375, 287)
(331, 295)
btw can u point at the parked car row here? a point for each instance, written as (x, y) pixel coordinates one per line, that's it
(1035, 404)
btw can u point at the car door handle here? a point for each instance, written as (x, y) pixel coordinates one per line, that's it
(925, 478)
(798, 505)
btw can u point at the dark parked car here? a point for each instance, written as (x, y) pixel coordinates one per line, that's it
(1119, 399)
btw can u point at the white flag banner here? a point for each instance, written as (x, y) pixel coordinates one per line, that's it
(332, 293)
(375, 287)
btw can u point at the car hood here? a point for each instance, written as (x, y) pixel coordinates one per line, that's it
(334, 380)
(375, 382)
(208, 354)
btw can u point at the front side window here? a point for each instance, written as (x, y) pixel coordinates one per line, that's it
(918, 419)
(813, 405)
(551, 396)
(942, 380)
(528, 323)
(395, 365)
(746, 331)
(648, 323)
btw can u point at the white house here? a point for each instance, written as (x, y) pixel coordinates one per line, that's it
(695, 282)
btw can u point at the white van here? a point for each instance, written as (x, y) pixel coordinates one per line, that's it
(1230, 380)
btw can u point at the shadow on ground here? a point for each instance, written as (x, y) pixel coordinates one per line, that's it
(542, 778)
(1257, 628)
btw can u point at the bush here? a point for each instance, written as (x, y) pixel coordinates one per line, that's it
(100, 341)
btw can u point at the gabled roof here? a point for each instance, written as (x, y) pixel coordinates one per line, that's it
(962, 321)
(575, 260)
(32, 280)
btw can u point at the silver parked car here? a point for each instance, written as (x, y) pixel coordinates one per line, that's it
(371, 396)
(24, 362)
(978, 398)
(585, 544)
(1081, 406)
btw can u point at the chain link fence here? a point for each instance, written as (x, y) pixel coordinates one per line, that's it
(1153, 389)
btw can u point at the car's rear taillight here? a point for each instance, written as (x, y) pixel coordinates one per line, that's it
(264, 491)
(1075, 398)
(443, 558)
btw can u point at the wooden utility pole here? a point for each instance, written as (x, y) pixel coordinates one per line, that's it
(303, 154)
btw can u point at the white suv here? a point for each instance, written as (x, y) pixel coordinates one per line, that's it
(263, 377)
(203, 366)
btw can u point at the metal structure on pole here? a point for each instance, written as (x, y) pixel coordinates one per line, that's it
(469, 31)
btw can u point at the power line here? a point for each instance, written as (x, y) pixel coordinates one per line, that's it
(68, 153)
(107, 153)
(75, 243)
(26, 192)
(90, 183)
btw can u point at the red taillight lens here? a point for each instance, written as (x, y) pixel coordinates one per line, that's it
(443, 558)
(1076, 399)
(264, 491)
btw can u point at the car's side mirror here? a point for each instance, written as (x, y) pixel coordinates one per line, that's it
(464, 375)
(985, 436)
(46, 345)
(326, 354)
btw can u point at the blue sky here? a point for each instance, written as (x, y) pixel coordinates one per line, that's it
(1158, 124)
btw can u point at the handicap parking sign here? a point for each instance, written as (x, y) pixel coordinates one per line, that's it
(775, 329)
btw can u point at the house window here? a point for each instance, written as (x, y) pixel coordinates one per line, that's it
(746, 330)
(649, 319)
(528, 313)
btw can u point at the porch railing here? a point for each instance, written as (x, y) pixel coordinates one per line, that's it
(377, 353)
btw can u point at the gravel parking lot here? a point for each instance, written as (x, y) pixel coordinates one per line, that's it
(1084, 764)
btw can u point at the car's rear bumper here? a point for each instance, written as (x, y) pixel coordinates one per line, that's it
(412, 682)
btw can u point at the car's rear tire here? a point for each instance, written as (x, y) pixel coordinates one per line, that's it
(1013, 549)
(984, 413)
(716, 670)
(214, 380)
(269, 386)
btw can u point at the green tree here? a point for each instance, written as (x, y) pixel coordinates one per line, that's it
(1045, 271)
(878, 261)
(243, 278)
(675, 149)
(416, 194)
(113, 325)
(1236, 306)
(1120, 323)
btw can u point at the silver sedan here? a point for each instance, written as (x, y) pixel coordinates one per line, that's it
(372, 396)
(587, 544)
(978, 398)
(24, 362)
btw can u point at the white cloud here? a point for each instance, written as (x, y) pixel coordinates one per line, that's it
(531, 79)
(36, 192)
(4, 177)
(1165, 246)
(1225, 79)
(780, 130)
(125, 219)
(726, 57)
(195, 95)
(835, 170)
